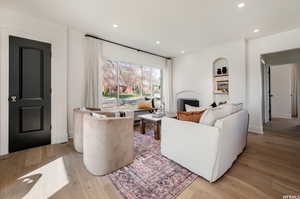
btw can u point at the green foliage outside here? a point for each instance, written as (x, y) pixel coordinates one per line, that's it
(123, 96)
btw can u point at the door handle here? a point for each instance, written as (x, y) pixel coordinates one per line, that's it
(13, 99)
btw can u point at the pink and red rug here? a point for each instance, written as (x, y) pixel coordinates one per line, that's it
(151, 176)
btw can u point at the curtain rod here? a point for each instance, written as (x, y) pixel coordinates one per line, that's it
(125, 46)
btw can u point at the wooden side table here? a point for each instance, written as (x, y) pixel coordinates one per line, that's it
(150, 118)
(157, 121)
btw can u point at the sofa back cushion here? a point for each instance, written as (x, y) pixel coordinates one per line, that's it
(231, 108)
(213, 114)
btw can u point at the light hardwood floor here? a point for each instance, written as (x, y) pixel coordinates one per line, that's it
(269, 168)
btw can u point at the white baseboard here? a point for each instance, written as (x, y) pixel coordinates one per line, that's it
(256, 130)
(284, 116)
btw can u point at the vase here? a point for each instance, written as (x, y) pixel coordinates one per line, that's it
(224, 70)
(219, 71)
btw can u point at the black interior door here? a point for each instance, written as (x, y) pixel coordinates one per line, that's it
(29, 93)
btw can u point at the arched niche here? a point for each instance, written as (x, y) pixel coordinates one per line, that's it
(221, 72)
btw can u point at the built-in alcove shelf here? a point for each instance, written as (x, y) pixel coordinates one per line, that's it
(221, 80)
(221, 75)
(221, 93)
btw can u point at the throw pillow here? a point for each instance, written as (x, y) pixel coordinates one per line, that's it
(212, 115)
(208, 118)
(190, 116)
(237, 107)
(190, 108)
(232, 108)
(145, 105)
(214, 105)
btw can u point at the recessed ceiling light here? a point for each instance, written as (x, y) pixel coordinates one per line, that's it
(115, 25)
(157, 42)
(182, 52)
(256, 30)
(241, 5)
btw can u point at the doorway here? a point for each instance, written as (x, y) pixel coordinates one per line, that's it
(281, 87)
(29, 93)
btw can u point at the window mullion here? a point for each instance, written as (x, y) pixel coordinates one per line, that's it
(151, 83)
(142, 86)
(118, 84)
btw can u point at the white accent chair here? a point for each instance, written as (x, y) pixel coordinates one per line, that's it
(78, 114)
(208, 151)
(107, 143)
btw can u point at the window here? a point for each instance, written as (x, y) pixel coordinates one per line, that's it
(125, 84)
(110, 84)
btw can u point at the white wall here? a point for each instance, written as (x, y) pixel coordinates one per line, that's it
(195, 71)
(256, 48)
(12, 23)
(76, 74)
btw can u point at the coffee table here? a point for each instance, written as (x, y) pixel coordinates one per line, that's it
(156, 120)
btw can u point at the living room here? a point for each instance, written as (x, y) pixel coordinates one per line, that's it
(121, 81)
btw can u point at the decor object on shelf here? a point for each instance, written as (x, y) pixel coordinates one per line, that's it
(222, 86)
(224, 70)
(214, 148)
(158, 114)
(219, 71)
(107, 143)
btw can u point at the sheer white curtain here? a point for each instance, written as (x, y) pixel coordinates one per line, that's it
(94, 73)
(167, 91)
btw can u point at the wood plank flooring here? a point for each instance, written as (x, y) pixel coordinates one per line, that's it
(269, 168)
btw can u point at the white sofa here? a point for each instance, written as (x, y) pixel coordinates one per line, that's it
(208, 151)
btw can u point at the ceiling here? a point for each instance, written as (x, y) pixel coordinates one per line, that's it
(187, 25)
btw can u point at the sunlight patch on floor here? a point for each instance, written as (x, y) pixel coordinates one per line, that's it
(53, 178)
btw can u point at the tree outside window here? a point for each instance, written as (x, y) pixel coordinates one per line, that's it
(125, 84)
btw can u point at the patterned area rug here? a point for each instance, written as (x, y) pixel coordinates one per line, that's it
(151, 175)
